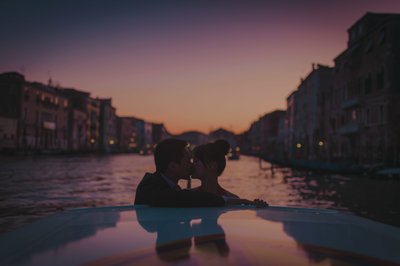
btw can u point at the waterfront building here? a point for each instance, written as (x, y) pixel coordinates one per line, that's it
(93, 122)
(290, 126)
(45, 118)
(140, 132)
(108, 126)
(40, 112)
(8, 133)
(11, 86)
(78, 139)
(266, 136)
(159, 133)
(148, 138)
(254, 137)
(126, 133)
(84, 118)
(271, 139)
(144, 136)
(306, 116)
(365, 111)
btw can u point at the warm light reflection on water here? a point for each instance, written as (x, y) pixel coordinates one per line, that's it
(34, 187)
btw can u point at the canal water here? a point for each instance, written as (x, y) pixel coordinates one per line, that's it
(32, 188)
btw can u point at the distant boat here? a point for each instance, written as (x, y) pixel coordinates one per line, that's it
(389, 173)
(234, 154)
(145, 152)
(238, 235)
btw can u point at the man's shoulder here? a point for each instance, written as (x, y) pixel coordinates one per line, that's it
(152, 179)
(149, 188)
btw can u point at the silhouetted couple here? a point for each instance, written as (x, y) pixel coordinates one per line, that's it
(173, 161)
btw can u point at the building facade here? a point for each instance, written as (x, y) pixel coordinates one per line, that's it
(126, 133)
(365, 111)
(34, 115)
(108, 126)
(306, 116)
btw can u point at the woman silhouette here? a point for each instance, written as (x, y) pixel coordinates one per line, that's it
(209, 163)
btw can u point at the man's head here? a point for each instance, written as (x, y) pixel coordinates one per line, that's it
(172, 157)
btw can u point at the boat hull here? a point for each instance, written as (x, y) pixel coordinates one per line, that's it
(140, 235)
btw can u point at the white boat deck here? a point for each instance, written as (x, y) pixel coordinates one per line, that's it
(142, 235)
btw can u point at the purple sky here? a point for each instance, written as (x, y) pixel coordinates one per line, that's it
(194, 65)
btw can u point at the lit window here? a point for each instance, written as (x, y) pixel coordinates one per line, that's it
(353, 115)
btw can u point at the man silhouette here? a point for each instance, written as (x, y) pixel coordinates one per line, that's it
(160, 189)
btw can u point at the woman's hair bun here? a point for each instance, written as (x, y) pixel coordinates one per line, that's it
(222, 146)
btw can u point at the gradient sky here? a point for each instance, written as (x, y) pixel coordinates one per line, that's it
(193, 65)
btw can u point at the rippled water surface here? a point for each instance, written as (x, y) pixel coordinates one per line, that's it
(31, 188)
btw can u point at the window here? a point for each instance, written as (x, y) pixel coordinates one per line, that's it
(382, 37)
(367, 116)
(368, 85)
(381, 114)
(37, 97)
(380, 80)
(369, 47)
(26, 94)
(353, 115)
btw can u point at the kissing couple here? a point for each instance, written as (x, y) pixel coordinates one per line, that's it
(174, 161)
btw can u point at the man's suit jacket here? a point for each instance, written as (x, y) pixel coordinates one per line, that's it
(153, 190)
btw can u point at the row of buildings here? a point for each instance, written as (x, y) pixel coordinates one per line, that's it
(36, 117)
(346, 113)
(46, 118)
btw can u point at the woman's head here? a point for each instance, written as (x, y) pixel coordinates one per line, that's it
(211, 156)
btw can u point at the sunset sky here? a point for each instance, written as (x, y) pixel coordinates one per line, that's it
(193, 65)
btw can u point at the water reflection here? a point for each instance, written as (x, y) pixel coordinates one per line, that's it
(80, 226)
(175, 235)
(197, 236)
(340, 240)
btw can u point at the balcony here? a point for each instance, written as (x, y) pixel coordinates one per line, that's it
(352, 127)
(352, 102)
